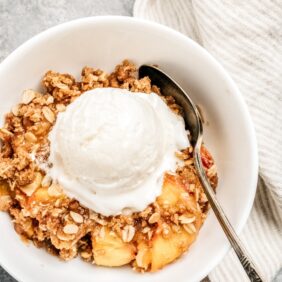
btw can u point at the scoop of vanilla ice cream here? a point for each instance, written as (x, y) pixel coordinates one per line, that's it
(111, 147)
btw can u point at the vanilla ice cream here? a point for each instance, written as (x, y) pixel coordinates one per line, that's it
(111, 147)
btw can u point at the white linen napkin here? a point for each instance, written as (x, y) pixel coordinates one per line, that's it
(246, 38)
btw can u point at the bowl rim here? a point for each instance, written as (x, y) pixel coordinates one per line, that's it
(225, 76)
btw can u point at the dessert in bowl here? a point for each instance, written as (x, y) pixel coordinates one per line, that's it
(102, 168)
(67, 152)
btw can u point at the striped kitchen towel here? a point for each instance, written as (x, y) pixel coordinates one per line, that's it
(246, 38)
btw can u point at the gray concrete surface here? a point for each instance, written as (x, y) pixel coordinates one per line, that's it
(22, 19)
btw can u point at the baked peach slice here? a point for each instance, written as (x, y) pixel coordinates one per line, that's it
(5, 198)
(110, 250)
(143, 258)
(44, 194)
(166, 250)
(175, 194)
(4, 188)
(165, 247)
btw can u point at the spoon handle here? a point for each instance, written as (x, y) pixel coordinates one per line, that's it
(242, 254)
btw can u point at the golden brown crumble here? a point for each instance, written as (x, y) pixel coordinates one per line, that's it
(43, 214)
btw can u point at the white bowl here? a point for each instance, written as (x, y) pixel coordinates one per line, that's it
(104, 42)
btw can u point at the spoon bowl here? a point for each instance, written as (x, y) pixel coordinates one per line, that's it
(170, 88)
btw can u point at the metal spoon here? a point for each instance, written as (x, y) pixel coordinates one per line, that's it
(193, 122)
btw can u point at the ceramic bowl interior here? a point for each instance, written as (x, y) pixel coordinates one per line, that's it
(228, 133)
